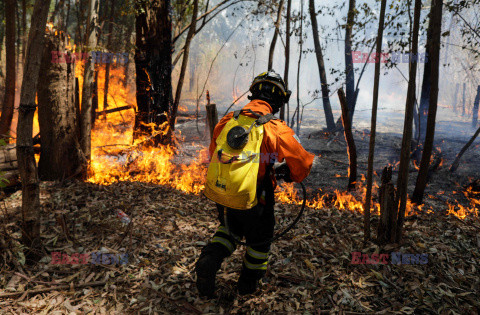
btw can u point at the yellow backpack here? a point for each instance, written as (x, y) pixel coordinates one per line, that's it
(233, 170)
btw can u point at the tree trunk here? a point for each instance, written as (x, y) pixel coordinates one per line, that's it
(454, 105)
(87, 90)
(10, 79)
(24, 28)
(107, 66)
(19, 40)
(433, 55)
(351, 148)
(402, 180)
(388, 210)
(153, 65)
(2, 36)
(287, 57)
(67, 19)
(275, 35)
(373, 128)
(94, 98)
(349, 70)
(25, 155)
(475, 109)
(321, 69)
(183, 69)
(424, 96)
(61, 155)
(77, 109)
(297, 111)
(463, 99)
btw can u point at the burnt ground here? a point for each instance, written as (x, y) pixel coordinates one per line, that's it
(310, 268)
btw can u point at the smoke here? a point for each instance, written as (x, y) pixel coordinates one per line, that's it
(245, 55)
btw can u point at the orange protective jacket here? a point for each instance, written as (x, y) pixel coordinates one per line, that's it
(278, 141)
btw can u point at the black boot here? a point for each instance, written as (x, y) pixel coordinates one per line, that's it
(207, 266)
(248, 281)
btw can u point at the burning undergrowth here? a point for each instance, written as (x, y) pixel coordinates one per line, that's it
(117, 157)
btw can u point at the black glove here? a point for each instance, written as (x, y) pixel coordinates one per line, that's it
(282, 172)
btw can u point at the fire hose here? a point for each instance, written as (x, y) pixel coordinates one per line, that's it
(277, 236)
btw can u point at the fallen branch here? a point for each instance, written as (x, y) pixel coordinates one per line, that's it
(464, 149)
(113, 110)
(60, 287)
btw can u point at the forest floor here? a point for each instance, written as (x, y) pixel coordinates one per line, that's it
(310, 269)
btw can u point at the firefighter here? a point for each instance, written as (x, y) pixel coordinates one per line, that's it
(241, 180)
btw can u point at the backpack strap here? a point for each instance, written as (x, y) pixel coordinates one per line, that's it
(236, 114)
(265, 119)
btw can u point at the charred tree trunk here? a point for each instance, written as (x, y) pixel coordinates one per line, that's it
(402, 180)
(475, 109)
(25, 155)
(433, 55)
(349, 70)
(153, 65)
(425, 95)
(87, 90)
(275, 35)
(373, 128)
(327, 108)
(109, 44)
(212, 118)
(77, 108)
(351, 148)
(183, 69)
(10, 79)
(61, 155)
(287, 58)
(94, 98)
(388, 209)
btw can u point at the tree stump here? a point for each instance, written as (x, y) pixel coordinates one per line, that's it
(212, 118)
(60, 156)
(388, 209)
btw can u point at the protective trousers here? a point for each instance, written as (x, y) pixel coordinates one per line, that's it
(256, 225)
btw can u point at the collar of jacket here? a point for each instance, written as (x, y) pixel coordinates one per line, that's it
(259, 106)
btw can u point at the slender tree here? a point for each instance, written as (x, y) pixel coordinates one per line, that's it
(297, 111)
(275, 35)
(373, 128)
(87, 90)
(402, 181)
(109, 46)
(327, 108)
(183, 69)
(287, 57)
(349, 70)
(435, 24)
(25, 155)
(10, 79)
